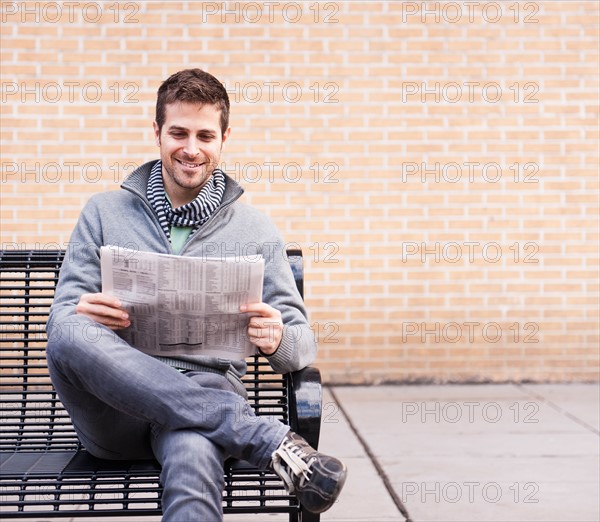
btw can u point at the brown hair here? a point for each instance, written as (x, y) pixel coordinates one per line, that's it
(192, 86)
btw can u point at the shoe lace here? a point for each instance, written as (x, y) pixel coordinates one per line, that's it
(291, 460)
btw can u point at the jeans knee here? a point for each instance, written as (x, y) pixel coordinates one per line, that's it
(55, 344)
(61, 341)
(75, 332)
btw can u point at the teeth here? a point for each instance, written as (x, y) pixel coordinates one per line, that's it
(191, 165)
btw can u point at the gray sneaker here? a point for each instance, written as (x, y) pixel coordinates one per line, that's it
(317, 479)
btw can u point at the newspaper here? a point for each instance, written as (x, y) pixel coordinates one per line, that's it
(184, 305)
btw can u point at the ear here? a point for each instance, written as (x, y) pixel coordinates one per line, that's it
(156, 133)
(225, 137)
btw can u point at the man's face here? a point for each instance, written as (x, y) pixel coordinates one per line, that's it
(190, 144)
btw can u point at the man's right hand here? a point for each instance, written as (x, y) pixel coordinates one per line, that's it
(104, 309)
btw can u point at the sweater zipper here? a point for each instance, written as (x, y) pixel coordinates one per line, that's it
(210, 220)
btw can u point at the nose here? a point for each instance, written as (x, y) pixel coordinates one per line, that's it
(190, 148)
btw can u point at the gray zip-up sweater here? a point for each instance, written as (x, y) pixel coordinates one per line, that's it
(125, 218)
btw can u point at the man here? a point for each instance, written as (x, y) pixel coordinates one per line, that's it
(183, 410)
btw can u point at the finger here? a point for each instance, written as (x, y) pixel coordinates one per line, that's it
(257, 322)
(103, 299)
(262, 309)
(265, 345)
(271, 335)
(101, 310)
(254, 332)
(113, 324)
(260, 342)
(267, 325)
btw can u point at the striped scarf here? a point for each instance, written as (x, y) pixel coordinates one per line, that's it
(192, 214)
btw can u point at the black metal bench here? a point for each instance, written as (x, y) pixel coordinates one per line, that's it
(46, 472)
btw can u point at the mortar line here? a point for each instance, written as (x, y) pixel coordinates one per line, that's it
(386, 481)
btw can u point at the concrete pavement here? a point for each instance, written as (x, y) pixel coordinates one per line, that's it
(497, 453)
(471, 453)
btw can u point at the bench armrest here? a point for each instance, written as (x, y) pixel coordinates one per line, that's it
(306, 401)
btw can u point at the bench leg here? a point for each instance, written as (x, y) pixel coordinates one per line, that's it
(305, 516)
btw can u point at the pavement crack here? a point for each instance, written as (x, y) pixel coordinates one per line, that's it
(556, 407)
(386, 481)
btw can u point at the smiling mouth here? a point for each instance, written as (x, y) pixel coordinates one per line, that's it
(190, 165)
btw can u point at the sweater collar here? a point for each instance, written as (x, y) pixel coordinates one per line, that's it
(137, 182)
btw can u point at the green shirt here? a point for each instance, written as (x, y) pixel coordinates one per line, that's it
(179, 236)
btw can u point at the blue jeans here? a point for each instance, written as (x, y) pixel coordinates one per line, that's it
(125, 404)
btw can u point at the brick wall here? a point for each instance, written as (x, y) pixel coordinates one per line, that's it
(437, 161)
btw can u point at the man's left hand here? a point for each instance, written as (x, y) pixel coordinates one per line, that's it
(266, 328)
